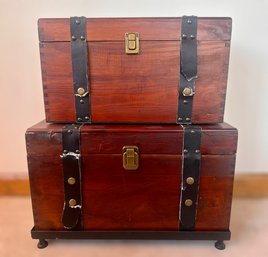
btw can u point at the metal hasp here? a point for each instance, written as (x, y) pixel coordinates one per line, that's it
(188, 68)
(130, 157)
(190, 177)
(78, 28)
(132, 43)
(71, 164)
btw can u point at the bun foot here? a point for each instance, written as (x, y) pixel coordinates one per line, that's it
(42, 244)
(220, 245)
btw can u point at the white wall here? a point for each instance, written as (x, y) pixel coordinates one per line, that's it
(21, 102)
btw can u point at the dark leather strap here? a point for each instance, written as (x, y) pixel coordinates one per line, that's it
(188, 68)
(80, 69)
(190, 177)
(71, 164)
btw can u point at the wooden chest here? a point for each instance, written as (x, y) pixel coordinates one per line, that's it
(135, 70)
(131, 179)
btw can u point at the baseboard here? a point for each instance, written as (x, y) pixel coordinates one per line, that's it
(14, 186)
(250, 185)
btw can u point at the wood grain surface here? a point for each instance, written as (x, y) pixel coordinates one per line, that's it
(113, 29)
(139, 88)
(147, 198)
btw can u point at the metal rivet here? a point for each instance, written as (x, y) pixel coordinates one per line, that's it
(192, 131)
(86, 118)
(197, 151)
(188, 119)
(81, 101)
(185, 101)
(188, 202)
(190, 180)
(187, 91)
(71, 181)
(72, 202)
(192, 37)
(70, 131)
(179, 119)
(77, 151)
(81, 91)
(65, 151)
(73, 38)
(79, 119)
(189, 21)
(184, 36)
(185, 151)
(77, 21)
(82, 37)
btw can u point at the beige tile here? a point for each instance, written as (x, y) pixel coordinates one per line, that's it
(249, 236)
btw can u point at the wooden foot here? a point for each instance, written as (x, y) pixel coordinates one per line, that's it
(42, 243)
(220, 245)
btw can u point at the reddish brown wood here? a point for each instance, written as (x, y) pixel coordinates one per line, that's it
(139, 88)
(151, 139)
(113, 29)
(148, 198)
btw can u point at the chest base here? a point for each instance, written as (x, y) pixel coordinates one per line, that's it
(218, 236)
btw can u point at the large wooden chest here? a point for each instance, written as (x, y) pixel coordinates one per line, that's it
(134, 70)
(131, 177)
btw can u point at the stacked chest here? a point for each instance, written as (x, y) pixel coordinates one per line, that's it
(147, 155)
(132, 177)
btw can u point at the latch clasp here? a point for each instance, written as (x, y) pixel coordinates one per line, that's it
(132, 44)
(130, 157)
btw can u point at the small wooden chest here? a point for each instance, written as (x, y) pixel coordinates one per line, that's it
(135, 70)
(131, 179)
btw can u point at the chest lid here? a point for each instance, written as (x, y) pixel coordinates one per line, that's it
(114, 29)
(218, 139)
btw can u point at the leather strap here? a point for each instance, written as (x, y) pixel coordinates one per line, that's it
(80, 69)
(71, 164)
(188, 68)
(190, 177)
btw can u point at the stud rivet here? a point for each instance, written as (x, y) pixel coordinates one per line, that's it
(188, 202)
(190, 180)
(71, 181)
(81, 91)
(72, 202)
(187, 91)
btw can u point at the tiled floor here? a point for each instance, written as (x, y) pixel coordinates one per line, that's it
(249, 236)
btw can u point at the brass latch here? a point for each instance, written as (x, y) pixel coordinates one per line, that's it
(130, 157)
(132, 44)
